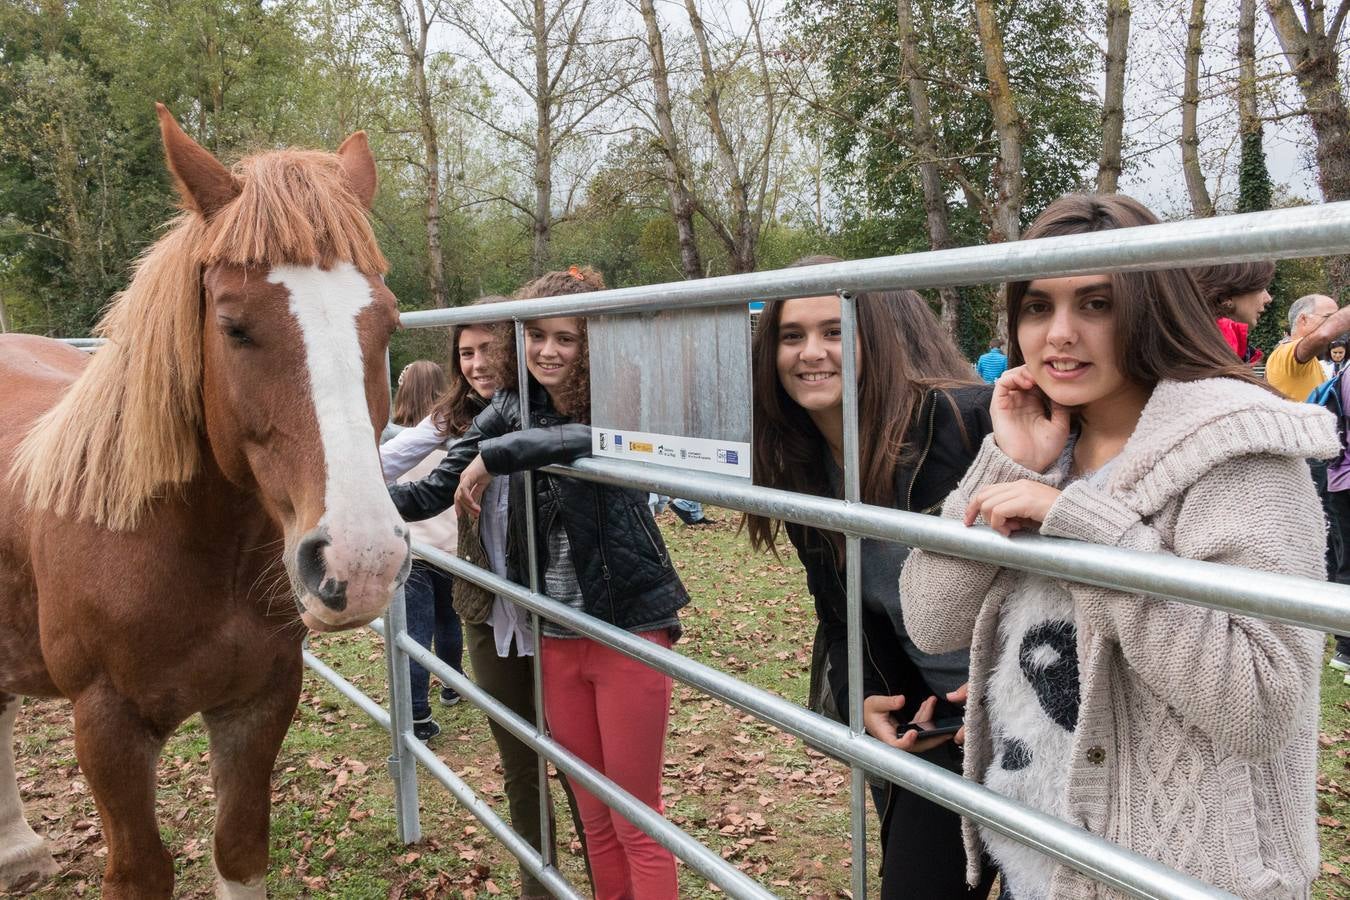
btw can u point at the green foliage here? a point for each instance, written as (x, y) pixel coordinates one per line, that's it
(869, 128)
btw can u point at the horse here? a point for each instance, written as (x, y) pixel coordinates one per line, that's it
(179, 510)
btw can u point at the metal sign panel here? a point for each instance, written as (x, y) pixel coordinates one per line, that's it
(672, 388)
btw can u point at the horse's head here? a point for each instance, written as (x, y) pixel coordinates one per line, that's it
(296, 322)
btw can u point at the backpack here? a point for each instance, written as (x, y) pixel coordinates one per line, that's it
(1331, 395)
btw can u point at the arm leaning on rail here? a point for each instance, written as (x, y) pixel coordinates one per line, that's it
(432, 495)
(503, 449)
(1242, 681)
(941, 595)
(400, 454)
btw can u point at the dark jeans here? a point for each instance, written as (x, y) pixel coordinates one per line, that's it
(431, 618)
(925, 858)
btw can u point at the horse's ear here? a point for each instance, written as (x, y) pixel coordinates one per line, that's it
(205, 184)
(359, 164)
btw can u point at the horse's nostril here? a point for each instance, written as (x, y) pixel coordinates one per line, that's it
(314, 571)
(309, 559)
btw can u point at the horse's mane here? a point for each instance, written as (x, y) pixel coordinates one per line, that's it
(128, 431)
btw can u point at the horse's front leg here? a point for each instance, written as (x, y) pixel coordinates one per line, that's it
(245, 739)
(24, 857)
(117, 750)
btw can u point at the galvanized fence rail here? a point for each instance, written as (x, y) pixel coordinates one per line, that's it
(1307, 231)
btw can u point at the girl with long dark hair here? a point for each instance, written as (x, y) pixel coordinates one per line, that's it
(921, 418)
(1185, 734)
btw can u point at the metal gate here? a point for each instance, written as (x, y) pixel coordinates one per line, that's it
(1307, 231)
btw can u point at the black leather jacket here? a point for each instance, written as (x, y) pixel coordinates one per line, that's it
(621, 562)
(948, 427)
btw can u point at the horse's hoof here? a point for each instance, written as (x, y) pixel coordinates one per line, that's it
(23, 869)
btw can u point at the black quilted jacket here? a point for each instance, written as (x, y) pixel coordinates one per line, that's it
(622, 565)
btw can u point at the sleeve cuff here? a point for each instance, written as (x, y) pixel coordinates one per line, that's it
(993, 466)
(1085, 513)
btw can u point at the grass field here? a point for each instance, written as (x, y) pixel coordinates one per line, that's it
(776, 809)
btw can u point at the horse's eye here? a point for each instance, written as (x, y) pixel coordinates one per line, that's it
(237, 334)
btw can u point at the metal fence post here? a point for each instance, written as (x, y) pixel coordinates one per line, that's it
(402, 764)
(546, 848)
(848, 326)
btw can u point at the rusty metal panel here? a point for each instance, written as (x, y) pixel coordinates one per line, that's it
(677, 379)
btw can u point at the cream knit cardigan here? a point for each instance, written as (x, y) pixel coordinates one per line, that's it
(1197, 730)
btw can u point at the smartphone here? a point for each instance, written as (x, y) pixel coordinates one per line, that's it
(931, 728)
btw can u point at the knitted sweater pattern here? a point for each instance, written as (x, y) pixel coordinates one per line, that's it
(1197, 733)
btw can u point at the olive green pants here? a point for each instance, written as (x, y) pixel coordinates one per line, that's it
(510, 680)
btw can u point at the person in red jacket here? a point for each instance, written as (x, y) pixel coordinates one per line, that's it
(1237, 292)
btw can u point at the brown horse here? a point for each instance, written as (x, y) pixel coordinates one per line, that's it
(176, 510)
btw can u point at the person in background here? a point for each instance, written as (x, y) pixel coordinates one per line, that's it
(690, 512)
(432, 621)
(992, 364)
(1185, 734)
(1336, 355)
(1314, 322)
(1237, 292)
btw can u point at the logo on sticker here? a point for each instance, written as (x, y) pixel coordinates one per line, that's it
(730, 457)
(604, 439)
(640, 447)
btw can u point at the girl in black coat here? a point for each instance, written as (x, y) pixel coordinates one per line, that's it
(921, 419)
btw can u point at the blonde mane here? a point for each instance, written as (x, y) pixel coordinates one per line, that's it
(129, 430)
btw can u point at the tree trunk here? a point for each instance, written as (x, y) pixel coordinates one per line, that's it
(677, 178)
(415, 50)
(1113, 107)
(543, 145)
(1201, 205)
(1254, 187)
(1310, 48)
(925, 145)
(1249, 116)
(1008, 177)
(1006, 219)
(740, 238)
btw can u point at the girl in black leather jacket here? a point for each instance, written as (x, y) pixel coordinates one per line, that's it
(601, 553)
(921, 420)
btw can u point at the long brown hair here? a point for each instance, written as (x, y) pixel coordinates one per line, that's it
(419, 385)
(1164, 326)
(904, 353)
(575, 396)
(455, 411)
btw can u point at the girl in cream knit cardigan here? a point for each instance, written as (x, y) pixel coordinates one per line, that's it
(1183, 733)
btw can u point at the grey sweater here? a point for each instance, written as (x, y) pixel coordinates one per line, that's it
(1196, 742)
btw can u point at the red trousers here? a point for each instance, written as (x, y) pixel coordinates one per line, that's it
(612, 712)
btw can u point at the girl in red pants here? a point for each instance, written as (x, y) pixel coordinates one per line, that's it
(601, 553)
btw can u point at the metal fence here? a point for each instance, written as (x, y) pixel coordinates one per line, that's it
(1322, 230)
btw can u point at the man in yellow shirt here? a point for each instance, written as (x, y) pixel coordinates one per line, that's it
(1314, 322)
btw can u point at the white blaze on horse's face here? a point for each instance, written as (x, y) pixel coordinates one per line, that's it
(351, 560)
